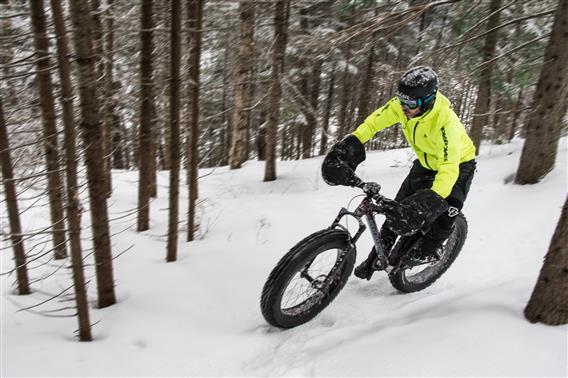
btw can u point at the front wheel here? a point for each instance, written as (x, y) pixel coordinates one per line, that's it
(418, 278)
(308, 278)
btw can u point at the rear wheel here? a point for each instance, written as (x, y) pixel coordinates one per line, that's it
(308, 278)
(411, 279)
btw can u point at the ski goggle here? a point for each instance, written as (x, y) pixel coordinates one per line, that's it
(411, 103)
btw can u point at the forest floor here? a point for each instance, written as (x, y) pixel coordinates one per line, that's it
(200, 316)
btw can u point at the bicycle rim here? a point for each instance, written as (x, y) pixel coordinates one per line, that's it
(311, 284)
(423, 273)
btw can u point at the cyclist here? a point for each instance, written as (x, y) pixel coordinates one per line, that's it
(440, 177)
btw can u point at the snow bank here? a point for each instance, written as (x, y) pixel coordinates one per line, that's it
(200, 316)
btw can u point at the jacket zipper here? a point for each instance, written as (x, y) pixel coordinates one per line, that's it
(426, 160)
(414, 139)
(414, 134)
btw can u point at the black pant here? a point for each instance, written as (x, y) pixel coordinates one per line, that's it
(422, 178)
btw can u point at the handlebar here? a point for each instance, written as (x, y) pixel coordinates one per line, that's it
(371, 189)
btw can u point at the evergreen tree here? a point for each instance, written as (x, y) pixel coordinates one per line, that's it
(46, 103)
(549, 301)
(147, 141)
(91, 130)
(281, 37)
(175, 58)
(544, 123)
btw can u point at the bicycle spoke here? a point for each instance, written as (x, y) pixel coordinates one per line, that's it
(308, 286)
(306, 275)
(422, 272)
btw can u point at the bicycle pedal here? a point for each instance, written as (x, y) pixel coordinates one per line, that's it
(363, 273)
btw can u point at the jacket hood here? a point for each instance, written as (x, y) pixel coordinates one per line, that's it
(441, 102)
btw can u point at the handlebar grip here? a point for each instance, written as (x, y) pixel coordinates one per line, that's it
(358, 183)
(372, 189)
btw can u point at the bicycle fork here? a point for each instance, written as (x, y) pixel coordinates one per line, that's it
(382, 262)
(365, 209)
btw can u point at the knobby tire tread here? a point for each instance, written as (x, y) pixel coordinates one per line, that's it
(398, 281)
(273, 287)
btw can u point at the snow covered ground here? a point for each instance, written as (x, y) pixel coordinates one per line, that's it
(200, 316)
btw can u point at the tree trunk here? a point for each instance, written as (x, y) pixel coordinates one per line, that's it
(242, 85)
(549, 301)
(115, 140)
(7, 54)
(163, 69)
(91, 129)
(499, 121)
(312, 110)
(543, 126)
(119, 146)
(516, 112)
(483, 103)
(225, 140)
(303, 134)
(421, 26)
(175, 59)
(146, 136)
(13, 212)
(73, 201)
(278, 55)
(252, 128)
(46, 102)
(344, 97)
(153, 152)
(98, 49)
(195, 22)
(327, 113)
(367, 85)
(261, 144)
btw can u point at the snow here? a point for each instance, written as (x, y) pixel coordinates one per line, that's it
(418, 77)
(200, 316)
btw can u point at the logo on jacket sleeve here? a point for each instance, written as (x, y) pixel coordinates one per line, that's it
(453, 212)
(445, 139)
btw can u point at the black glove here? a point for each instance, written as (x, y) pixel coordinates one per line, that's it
(414, 212)
(339, 165)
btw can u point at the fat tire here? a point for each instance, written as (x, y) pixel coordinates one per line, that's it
(292, 262)
(398, 277)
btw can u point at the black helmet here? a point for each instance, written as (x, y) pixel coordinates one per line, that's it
(418, 84)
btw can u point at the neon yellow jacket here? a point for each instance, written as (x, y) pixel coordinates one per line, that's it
(437, 137)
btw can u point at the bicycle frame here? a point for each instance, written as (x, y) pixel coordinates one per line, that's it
(366, 209)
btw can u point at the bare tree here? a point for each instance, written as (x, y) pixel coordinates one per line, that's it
(146, 136)
(543, 125)
(344, 96)
(73, 202)
(309, 85)
(483, 102)
(327, 112)
(278, 55)
(91, 130)
(115, 157)
(46, 102)
(162, 84)
(366, 87)
(100, 63)
(195, 22)
(242, 85)
(175, 57)
(312, 115)
(13, 212)
(549, 301)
